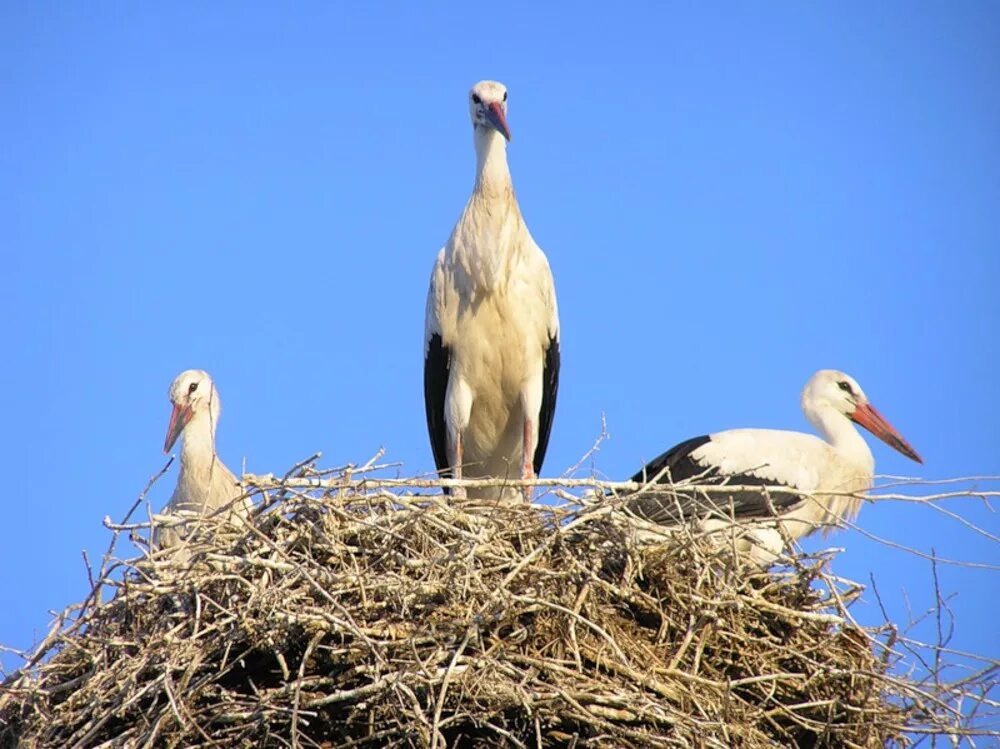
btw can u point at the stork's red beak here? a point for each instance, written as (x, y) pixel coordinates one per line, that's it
(873, 421)
(494, 113)
(179, 418)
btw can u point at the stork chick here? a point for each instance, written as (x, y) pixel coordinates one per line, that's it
(204, 483)
(491, 343)
(840, 462)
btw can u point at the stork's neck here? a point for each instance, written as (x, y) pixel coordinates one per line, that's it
(842, 435)
(198, 450)
(492, 172)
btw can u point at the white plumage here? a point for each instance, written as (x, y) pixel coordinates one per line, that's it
(839, 462)
(204, 483)
(491, 339)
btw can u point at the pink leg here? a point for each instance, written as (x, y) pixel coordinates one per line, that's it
(456, 468)
(528, 456)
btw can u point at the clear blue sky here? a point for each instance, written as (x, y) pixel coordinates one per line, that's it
(730, 198)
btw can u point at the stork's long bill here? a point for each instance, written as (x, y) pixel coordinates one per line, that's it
(494, 113)
(179, 418)
(866, 415)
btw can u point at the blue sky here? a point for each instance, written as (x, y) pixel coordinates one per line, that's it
(730, 198)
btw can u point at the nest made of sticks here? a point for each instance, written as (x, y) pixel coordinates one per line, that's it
(355, 616)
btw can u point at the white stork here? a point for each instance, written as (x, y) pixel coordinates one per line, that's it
(840, 462)
(491, 338)
(204, 483)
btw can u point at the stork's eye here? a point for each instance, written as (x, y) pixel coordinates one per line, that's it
(476, 99)
(846, 387)
(505, 96)
(192, 387)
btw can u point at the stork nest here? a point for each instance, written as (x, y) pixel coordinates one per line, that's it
(358, 616)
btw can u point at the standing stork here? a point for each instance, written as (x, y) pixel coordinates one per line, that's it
(840, 462)
(491, 337)
(204, 483)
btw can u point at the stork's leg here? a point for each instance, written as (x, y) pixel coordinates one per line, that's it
(458, 411)
(528, 441)
(531, 404)
(456, 467)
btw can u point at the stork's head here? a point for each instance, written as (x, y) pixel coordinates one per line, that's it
(830, 388)
(192, 394)
(488, 107)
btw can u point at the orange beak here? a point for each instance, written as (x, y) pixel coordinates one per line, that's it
(179, 418)
(874, 422)
(494, 113)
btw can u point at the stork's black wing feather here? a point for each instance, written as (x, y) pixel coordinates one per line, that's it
(550, 389)
(678, 464)
(437, 364)
(677, 461)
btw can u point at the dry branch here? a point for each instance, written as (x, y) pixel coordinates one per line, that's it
(355, 612)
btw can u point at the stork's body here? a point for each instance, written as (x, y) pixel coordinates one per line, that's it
(204, 484)
(491, 344)
(840, 462)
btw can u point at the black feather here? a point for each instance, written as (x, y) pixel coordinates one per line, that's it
(679, 464)
(437, 366)
(550, 389)
(677, 461)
